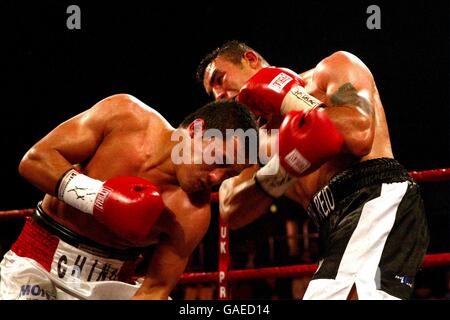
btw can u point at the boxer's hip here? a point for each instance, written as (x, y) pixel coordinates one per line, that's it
(373, 230)
(69, 256)
(356, 185)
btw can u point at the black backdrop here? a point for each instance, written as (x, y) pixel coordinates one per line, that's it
(151, 50)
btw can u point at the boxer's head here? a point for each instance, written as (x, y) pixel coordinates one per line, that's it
(224, 71)
(217, 141)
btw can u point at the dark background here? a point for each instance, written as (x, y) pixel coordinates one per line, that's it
(151, 50)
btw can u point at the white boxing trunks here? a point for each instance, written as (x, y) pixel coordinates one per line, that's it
(43, 266)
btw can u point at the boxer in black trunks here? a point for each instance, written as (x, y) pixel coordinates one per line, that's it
(335, 159)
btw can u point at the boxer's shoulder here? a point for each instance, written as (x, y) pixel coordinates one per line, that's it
(126, 111)
(123, 104)
(340, 62)
(340, 57)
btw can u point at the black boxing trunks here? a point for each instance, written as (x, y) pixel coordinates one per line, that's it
(49, 261)
(373, 233)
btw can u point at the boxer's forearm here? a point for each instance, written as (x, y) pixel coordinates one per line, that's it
(166, 266)
(356, 127)
(73, 141)
(242, 201)
(43, 168)
(349, 88)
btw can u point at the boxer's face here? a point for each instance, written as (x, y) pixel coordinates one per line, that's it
(202, 176)
(223, 79)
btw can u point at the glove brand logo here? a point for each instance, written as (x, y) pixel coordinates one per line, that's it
(297, 161)
(101, 197)
(304, 97)
(279, 82)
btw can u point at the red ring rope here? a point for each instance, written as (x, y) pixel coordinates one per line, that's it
(224, 275)
(432, 260)
(436, 175)
(10, 214)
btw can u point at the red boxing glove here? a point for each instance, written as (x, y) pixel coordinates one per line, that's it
(128, 206)
(265, 91)
(307, 139)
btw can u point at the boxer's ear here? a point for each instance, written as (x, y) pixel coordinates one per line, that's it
(252, 59)
(196, 126)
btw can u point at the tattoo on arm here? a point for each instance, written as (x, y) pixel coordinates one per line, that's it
(348, 95)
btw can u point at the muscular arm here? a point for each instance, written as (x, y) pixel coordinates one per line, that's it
(172, 253)
(72, 142)
(241, 200)
(166, 267)
(346, 86)
(349, 88)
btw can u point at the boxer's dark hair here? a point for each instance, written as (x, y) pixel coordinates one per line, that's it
(233, 50)
(222, 115)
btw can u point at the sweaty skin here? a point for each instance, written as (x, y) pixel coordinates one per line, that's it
(120, 135)
(347, 87)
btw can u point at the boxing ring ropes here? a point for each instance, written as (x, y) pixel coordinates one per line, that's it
(224, 275)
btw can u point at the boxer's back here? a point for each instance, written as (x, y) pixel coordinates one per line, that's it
(134, 147)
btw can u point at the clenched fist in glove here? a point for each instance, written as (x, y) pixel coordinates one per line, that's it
(307, 139)
(128, 206)
(275, 91)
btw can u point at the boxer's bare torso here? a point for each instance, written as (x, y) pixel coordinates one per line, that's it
(308, 185)
(138, 147)
(121, 136)
(346, 86)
